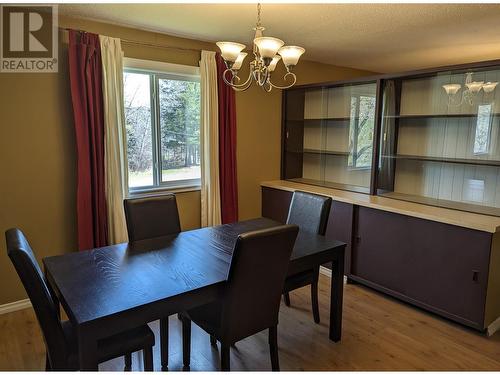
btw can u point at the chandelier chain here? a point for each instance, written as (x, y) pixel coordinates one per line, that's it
(258, 15)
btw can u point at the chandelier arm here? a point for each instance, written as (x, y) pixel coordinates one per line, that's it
(455, 103)
(235, 86)
(288, 74)
(239, 89)
(263, 78)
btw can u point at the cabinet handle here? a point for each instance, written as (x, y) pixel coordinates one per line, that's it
(475, 276)
(287, 134)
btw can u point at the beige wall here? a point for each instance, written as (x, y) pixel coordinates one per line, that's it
(37, 153)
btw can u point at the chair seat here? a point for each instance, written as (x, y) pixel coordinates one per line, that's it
(208, 317)
(299, 280)
(111, 347)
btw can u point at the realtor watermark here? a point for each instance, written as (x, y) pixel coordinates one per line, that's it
(29, 39)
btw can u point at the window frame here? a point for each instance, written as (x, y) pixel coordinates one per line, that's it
(156, 71)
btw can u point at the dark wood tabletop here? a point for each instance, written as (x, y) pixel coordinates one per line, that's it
(110, 289)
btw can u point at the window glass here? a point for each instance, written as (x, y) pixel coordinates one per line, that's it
(162, 114)
(139, 130)
(179, 129)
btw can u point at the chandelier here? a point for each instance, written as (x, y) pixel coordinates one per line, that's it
(267, 52)
(470, 92)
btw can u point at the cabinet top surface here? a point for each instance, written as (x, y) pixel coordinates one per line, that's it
(464, 219)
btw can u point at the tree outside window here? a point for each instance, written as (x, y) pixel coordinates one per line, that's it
(362, 122)
(162, 117)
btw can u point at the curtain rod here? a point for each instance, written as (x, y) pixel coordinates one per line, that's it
(136, 42)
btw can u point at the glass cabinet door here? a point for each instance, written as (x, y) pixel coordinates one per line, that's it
(440, 140)
(314, 140)
(349, 136)
(336, 142)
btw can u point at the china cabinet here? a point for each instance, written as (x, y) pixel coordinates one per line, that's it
(412, 163)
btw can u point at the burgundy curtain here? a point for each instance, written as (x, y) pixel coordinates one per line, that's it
(85, 72)
(227, 147)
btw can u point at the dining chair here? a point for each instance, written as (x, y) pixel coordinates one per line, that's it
(310, 213)
(250, 300)
(60, 337)
(149, 218)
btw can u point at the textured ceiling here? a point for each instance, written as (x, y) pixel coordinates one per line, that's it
(376, 37)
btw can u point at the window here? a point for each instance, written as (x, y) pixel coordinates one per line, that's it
(362, 122)
(483, 129)
(162, 117)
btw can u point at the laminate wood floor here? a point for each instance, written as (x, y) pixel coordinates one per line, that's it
(379, 333)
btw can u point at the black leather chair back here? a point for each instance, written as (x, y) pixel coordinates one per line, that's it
(309, 211)
(151, 217)
(256, 277)
(29, 272)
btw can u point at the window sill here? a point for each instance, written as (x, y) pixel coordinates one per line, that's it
(163, 190)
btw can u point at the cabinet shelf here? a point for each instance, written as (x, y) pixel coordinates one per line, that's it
(333, 185)
(437, 159)
(316, 151)
(326, 152)
(330, 119)
(425, 116)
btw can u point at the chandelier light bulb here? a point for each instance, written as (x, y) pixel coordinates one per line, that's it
(268, 46)
(239, 61)
(470, 93)
(230, 50)
(475, 86)
(273, 63)
(291, 55)
(452, 88)
(489, 86)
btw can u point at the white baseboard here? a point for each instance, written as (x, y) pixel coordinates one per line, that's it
(325, 271)
(14, 306)
(328, 273)
(493, 327)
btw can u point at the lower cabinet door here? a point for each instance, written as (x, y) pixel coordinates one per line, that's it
(439, 267)
(339, 227)
(275, 203)
(377, 251)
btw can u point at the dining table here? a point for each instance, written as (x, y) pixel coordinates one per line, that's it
(111, 289)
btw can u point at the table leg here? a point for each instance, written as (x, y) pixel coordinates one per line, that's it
(87, 351)
(337, 296)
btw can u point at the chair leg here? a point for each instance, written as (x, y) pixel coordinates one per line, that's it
(128, 362)
(47, 363)
(273, 348)
(186, 341)
(287, 299)
(224, 357)
(213, 340)
(147, 354)
(164, 342)
(314, 296)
